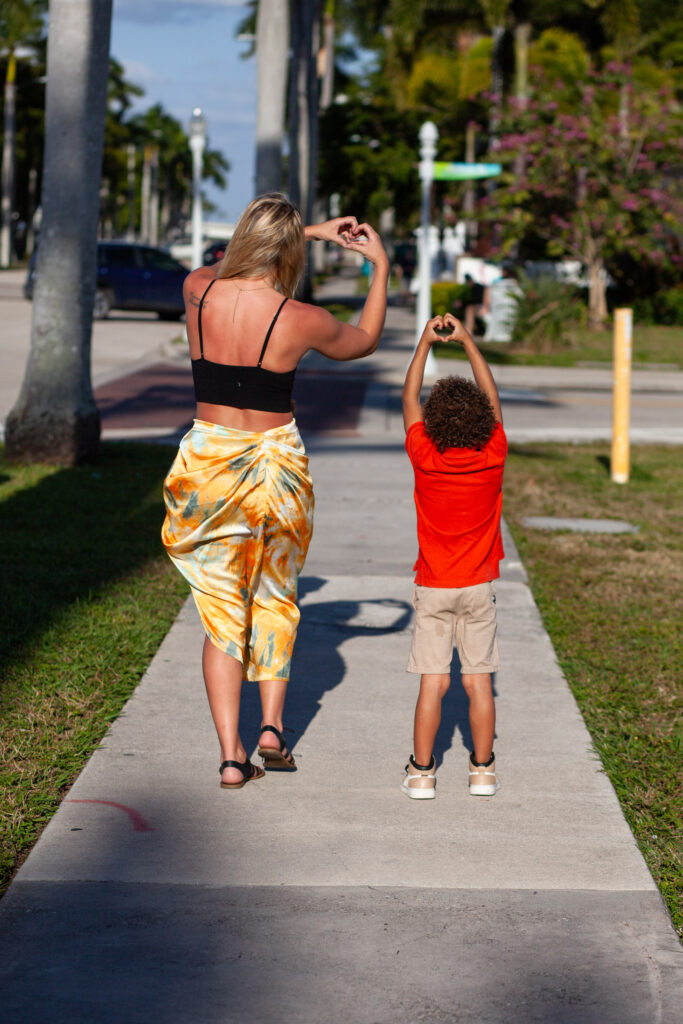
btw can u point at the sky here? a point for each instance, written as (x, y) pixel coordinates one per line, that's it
(185, 54)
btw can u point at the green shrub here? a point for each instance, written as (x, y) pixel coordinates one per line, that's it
(644, 312)
(668, 307)
(445, 294)
(664, 308)
(548, 311)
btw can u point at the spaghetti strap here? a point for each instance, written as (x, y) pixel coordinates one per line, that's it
(199, 317)
(270, 330)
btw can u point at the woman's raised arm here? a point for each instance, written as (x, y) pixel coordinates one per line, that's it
(341, 341)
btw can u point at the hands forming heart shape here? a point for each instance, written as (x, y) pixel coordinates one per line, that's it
(445, 328)
(349, 234)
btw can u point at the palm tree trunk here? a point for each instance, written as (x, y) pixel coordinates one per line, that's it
(497, 34)
(470, 193)
(145, 188)
(272, 56)
(30, 225)
(130, 230)
(298, 115)
(522, 36)
(327, 76)
(8, 163)
(153, 213)
(303, 104)
(55, 418)
(303, 114)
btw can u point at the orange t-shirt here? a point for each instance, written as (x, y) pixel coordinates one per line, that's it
(458, 497)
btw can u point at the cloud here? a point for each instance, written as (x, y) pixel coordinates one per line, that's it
(142, 74)
(150, 11)
(244, 115)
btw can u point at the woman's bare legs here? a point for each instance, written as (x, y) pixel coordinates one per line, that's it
(433, 686)
(482, 714)
(273, 693)
(223, 679)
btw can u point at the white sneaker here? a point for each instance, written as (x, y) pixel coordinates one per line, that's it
(419, 784)
(483, 779)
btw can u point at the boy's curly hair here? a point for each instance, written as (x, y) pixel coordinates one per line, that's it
(458, 414)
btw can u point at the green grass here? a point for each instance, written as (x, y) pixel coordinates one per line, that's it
(341, 310)
(658, 345)
(611, 605)
(90, 594)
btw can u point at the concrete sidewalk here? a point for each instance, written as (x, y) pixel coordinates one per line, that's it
(326, 895)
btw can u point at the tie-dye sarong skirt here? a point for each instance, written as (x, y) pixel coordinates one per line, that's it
(239, 519)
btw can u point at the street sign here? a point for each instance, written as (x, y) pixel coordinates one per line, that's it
(464, 172)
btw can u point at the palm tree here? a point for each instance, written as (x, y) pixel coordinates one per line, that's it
(303, 103)
(495, 12)
(303, 112)
(55, 418)
(272, 56)
(327, 54)
(20, 21)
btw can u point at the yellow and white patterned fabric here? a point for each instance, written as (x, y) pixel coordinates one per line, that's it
(239, 519)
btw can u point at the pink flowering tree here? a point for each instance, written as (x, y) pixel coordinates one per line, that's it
(592, 185)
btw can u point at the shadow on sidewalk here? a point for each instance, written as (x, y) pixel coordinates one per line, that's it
(227, 955)
(317, 666)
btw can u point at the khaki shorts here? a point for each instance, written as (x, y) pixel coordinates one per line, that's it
(464, 617)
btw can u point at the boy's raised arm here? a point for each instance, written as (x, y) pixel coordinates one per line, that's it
(480, 368)
(412, 407)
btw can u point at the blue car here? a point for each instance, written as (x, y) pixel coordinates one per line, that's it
(132, 276)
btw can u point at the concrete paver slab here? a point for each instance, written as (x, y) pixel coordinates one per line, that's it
(579, 525)
(373, 955)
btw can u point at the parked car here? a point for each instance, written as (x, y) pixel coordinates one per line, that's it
(214, 252)
(132, 276)
(183, 250)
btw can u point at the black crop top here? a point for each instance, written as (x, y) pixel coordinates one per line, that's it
(243, 387)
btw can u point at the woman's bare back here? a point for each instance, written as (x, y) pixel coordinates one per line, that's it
(236, 315)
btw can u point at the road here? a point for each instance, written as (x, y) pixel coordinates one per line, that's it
(121, 344)
(143, 384)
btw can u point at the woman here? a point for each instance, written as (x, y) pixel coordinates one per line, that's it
(239, 498)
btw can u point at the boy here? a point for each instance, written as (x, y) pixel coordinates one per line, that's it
(457, 448)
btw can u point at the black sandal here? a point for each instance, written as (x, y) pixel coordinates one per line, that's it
(273, 759)
(250, 772)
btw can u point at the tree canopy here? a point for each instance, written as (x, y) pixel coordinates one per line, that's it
(581, 102)
(23, 44)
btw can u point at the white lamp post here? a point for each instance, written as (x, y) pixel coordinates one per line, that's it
(197, 144)
(429, 135)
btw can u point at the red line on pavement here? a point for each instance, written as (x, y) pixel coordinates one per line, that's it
(138, 822)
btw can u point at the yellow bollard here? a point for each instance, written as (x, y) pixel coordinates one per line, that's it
(621, 400)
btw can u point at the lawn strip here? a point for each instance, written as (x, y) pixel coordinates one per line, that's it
(91, 595)
(656, 346)
(611, 604)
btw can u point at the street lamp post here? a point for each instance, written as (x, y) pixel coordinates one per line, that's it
(429, 135)
(197, 144)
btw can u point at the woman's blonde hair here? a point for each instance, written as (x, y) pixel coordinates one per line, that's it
(268, 241)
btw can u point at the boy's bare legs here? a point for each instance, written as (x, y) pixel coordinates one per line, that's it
(433, 686)
(482, 714)
(223, 680)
